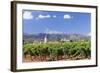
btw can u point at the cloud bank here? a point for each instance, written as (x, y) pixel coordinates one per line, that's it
(27, 15)
(67, 16)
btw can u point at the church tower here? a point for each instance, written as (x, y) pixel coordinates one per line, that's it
(45, 38)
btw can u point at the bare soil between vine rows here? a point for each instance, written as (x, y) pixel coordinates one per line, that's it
(29, 58)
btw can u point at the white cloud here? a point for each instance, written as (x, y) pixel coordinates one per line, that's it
(54, 16)
(43, 16)
(27, 15)
(67, 16)
(53, 31)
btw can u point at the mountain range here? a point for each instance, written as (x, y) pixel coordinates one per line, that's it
(54, 37)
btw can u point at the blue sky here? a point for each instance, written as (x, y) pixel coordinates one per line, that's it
(56, 22)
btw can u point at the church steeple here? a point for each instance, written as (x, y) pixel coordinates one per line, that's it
(45, 38)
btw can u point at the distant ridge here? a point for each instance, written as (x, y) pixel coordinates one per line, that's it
(54, 37)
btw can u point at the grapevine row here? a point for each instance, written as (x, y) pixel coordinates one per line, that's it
(54, 50)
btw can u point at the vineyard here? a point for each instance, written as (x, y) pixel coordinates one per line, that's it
(54, 51)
